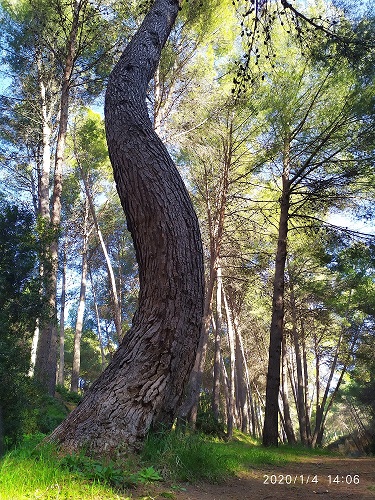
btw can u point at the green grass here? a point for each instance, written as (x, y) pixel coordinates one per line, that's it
(37, 473)
(31, 472)
(195, 457)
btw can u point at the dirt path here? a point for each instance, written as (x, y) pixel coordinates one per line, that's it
(323, 477)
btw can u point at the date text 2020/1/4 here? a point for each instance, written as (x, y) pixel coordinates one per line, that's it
(310, 479)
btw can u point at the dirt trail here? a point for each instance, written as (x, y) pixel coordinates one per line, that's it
(323, 477)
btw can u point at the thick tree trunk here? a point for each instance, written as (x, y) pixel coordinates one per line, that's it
(270, 428)
(143, 385)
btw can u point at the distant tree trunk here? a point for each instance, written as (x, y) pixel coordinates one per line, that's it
(114, 295)
(232, 360)
(189, 409)
(46, 357)
(143, 385)
(43, 209)
(301, 402)
(270, 428)
(81, 307)
(241, 390)
(252, 411)
(288, 424)
(98, 326)
(216, 218)
(218, 327)
(60, 376)
(306, 381)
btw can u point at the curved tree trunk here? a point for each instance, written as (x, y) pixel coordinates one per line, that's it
(143, 385)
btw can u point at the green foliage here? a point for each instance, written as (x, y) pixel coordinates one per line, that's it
(90, 356)
(186, 457)
(19, 308)
(68, 396)
(80, 464)
(108, 472)
(206, 422)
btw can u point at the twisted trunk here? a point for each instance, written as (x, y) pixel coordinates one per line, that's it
(143, 385)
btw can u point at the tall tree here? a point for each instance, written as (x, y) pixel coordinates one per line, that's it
(144, 383)
(320, 128)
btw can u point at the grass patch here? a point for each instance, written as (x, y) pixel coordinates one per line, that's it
(38, 472)
(194, 457)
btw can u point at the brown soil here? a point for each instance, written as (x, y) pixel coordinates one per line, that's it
(308, 480)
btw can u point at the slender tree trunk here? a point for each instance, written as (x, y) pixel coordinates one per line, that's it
(321, 406)
(288, 424)
(232, 360)
(306, 381)
(189, 409)
(114, 295)
(242, 402)
(250, 398)
(216, 378)
(301, 402)
(98, 326)
(81, 308)
(46, 359)
(270, 429)
(43, 191)
(143, 385)
(60, 376)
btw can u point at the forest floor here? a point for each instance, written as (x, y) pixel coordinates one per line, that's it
(351, 478)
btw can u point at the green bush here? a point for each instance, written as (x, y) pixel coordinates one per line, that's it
(186, 457)
(206, 421)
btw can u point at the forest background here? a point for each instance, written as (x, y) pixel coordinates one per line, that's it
(272, 130)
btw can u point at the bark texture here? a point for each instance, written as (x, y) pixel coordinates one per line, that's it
(143, 385)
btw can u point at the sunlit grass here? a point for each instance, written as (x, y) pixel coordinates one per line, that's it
(192, 457)
(31, 472)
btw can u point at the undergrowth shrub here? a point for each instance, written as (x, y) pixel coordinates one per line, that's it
(186, 457)
(206, 421)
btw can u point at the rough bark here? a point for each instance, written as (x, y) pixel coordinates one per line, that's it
(143, 385)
